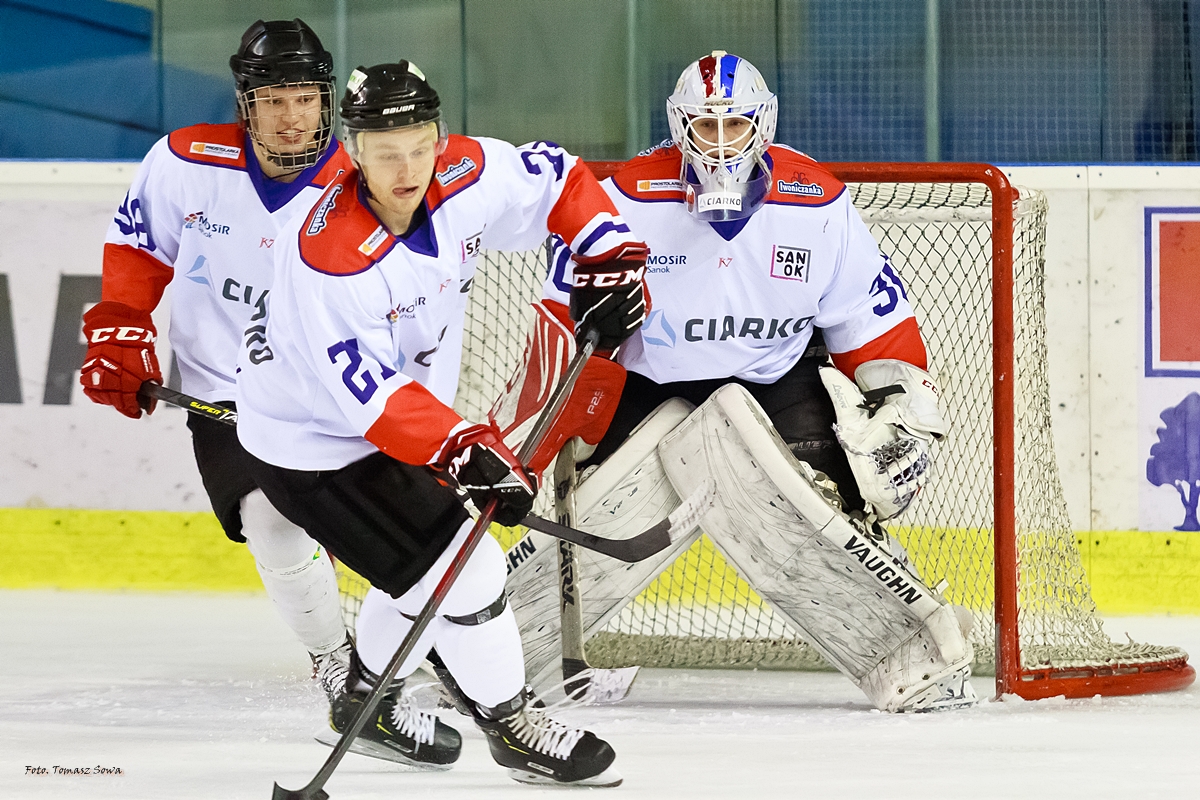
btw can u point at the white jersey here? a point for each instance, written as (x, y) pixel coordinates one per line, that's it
(201, 216)
(362, 344)
(740, 299)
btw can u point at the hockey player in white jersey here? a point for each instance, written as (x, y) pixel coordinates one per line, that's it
(202, 216)
(345, 396)
(760, 270)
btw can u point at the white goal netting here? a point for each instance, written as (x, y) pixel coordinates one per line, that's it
(938, 237)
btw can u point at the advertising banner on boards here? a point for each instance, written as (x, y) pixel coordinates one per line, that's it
(57, 449)
(1169, 399)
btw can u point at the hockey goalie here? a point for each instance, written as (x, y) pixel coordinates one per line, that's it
(781, 361)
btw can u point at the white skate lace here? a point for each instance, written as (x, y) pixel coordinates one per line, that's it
(412, 721)
(535, 728)
(332, 670)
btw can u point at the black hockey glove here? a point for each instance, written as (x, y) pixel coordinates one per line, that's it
(477, 458)
(609, 295)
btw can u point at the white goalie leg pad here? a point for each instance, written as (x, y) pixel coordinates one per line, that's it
(872, 618)
(627, 494)
(297, 574)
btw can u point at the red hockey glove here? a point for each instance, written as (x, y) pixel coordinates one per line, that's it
(478, 460)
(120, 356)
(609, 294)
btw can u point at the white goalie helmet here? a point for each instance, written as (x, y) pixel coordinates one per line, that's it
(722, 118)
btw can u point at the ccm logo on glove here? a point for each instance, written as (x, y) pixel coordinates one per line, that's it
(607, 280)
(120, 356)
(125, 333)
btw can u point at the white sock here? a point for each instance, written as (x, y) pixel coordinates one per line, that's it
(297, 574)
(486, 659)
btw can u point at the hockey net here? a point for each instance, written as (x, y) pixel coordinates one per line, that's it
(991, 527)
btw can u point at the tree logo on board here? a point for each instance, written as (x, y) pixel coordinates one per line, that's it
(1175, 458)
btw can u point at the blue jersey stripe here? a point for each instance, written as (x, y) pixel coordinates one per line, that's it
(596, 235)
(561, 256)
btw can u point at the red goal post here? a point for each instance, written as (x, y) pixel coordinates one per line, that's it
(1116, 676)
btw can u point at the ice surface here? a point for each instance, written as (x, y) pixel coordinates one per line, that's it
(196, 696)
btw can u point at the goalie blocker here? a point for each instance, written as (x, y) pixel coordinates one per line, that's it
(864, 609)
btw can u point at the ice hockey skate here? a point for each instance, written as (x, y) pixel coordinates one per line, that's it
(332, 670)
(402, 732)
(542, 751)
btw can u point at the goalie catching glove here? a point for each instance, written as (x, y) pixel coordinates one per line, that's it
(609, 294)
(886, 429)
(478, 460)
(120, 356)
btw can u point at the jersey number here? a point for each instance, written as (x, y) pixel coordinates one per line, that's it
(130, 223)
(361, 385)
(553, 155)
(887, 282)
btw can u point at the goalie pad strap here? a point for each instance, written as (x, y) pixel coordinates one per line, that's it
(910, 390)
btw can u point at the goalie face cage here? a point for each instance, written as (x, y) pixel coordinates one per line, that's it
(992, 523)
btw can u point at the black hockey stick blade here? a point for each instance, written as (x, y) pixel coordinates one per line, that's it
(281, 793)
(212, 411)
(635, 548)
(654, 539)
(313, 789)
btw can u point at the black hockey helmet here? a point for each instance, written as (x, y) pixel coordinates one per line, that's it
(386, 97)
(389, 96)
(280, 52)
(283, 53)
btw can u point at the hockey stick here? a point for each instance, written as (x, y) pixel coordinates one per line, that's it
(635, 548)
(154, 391)
(640, 546)
(603, 686)
(574, 659)
(313, 789)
